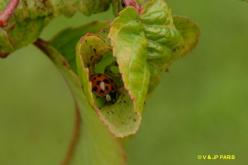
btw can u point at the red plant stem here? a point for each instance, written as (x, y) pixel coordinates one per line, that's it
(134, 4)
(42, 45)
(8, 11)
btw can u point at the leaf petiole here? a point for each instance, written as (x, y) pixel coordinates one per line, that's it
(134, 4)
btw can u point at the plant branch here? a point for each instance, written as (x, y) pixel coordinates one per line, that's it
(8, 12)
(59, 61)
(62, 64)
(75, 138)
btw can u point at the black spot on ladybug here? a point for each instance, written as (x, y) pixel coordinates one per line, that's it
(102, 87)
(106, 81)
(94, 89)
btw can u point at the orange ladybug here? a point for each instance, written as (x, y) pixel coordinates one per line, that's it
(104, 86)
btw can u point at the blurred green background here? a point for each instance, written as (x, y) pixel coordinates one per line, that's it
(200, 107)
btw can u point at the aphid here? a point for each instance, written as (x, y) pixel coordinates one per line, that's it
(104, 86)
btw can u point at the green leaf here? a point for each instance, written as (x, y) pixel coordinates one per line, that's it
(129, 47)
(189, 31)
(163, 38)
(96, 146)
(165, 42)
(143, 45)
(37, 8)
(33, 130)
(65, 41)
(119, 117)
(31, 16)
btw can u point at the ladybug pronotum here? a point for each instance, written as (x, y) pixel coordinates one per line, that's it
(104, 86)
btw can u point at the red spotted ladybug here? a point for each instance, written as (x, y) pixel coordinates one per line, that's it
(104, 86)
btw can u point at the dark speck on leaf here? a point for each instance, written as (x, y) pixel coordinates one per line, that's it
(94, 49)
(174, 49)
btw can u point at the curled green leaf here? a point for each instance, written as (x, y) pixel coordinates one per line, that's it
(120, 118)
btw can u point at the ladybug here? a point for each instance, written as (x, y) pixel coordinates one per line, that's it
(104, 86)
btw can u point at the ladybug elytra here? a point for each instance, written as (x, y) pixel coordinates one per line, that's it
(104, 86)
